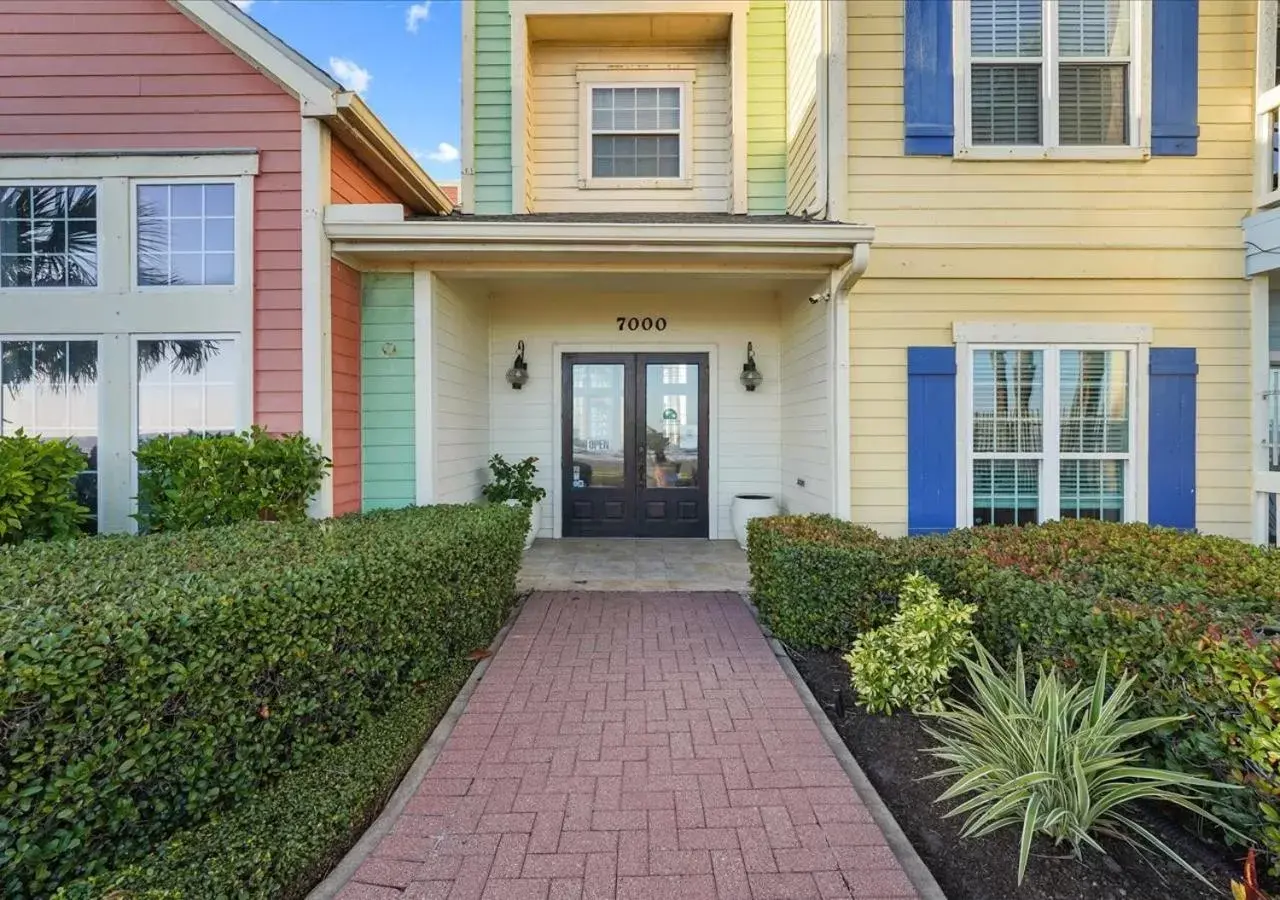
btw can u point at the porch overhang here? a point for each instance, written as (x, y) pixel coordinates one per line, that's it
(373, 237)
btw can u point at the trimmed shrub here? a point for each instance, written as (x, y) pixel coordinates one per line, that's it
(199, 481)
(908, 662)
(281, 841)
(1195, 619)
(149, 682)
(38, 489)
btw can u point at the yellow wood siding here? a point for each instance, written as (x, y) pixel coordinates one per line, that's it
(554, 129)
(1154, 242)
(804, 62)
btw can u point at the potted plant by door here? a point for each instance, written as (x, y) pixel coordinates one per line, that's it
(513, 484)
(746, 507)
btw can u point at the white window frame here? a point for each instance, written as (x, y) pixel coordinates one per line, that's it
(116, 312)
(96, 184)
(1052, 340)
(244, 393)
(591, 77)
(243, 237)
(1139, 87)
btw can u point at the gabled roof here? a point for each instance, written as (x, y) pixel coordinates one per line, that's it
(322, 97)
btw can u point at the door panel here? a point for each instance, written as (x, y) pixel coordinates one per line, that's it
(599, 478)
(671, 391)
(635, 445)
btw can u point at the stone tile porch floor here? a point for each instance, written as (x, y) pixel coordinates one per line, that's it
(636, 746)
(624, 564)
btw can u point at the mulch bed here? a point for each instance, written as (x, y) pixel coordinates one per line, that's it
(890, 751)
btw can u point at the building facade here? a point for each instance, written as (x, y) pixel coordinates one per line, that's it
(983, 257)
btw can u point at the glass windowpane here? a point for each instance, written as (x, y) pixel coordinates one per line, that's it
(1092, 489)
(1008, 401)
(186, 385)
(1093, 107)
(1006, 28)
(1094, 401)
(50, 389)
(1094, 28)
(186, 234)
(1006, 491)
(48, 236)
(1005, 104)
(599, 422)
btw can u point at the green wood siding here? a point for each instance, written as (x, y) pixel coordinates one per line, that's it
(492, 143)
(766, 107)
(386, 391)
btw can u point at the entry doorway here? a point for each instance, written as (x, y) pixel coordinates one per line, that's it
(635, 432)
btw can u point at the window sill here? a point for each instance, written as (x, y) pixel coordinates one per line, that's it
(1096, 154)
(626, 184)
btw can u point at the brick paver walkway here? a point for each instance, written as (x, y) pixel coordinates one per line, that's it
(633, 746)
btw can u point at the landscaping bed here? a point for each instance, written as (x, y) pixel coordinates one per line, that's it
(890, 750)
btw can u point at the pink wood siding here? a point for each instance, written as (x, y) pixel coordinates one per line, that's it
(344, 300)
(351, 181)
(137, 74)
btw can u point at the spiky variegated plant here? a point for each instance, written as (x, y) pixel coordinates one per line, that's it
(1058, 761)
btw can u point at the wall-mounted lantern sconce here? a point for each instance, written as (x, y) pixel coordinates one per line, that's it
(750, 377)
(518, 374)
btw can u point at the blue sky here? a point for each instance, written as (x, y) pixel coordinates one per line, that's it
(403, 56)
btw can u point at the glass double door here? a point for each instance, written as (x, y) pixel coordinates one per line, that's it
(635, 445)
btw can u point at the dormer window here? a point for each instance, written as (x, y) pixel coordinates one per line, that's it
(635, 127)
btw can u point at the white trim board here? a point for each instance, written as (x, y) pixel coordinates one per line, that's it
(424, 407)
(129, 164)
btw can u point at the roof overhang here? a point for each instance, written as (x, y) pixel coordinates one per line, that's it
(369, 237)
(374, 145)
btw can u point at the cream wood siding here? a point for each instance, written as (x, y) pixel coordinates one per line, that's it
(554, 129)
(806, 408)
(1154, 242)
(460, 373)
(530, 163)
(804, 65)
(746, 427)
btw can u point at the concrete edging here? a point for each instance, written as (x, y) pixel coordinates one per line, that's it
(404, 792)
(918, 873)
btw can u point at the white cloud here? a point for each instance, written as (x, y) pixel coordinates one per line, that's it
(416, 13)
(444, 153)
(353, 77)
(243, 4)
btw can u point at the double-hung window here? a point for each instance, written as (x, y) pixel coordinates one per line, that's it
(635, 127)
(1051, 433)
(1049, 75)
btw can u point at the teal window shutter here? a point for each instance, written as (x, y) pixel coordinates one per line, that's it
(928, 99)
(931, 439)
(1175, 61)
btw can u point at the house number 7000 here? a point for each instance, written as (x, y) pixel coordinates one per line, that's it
(646, 324)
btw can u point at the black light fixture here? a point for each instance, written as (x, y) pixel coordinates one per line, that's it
(518, 374)
(750, 377)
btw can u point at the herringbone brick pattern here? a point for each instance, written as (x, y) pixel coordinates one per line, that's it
(634, 746)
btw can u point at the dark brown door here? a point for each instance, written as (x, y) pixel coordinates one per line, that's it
(635, 445)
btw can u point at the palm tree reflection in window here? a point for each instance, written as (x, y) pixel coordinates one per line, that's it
(49, 236)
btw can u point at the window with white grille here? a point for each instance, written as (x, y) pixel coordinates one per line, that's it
(1051, 434)
(635, 131)
(1048, 73)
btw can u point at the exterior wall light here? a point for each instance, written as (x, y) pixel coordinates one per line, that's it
(750, 377)
(518, 374)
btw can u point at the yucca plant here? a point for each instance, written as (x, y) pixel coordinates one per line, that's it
(1057, 760)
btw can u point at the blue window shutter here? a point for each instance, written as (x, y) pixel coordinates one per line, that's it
(928, 100)
(1171, 466)
(1174, 77)
(931, 439)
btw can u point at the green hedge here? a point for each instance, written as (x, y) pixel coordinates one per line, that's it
(38, 498)
(1196, 618)
(281, 842)
(200, 481)
(149, 682)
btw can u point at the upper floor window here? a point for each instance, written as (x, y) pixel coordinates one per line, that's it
(1049, 73)
(48, 236)
(635, 132)
(186, 234)
(635, 127)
